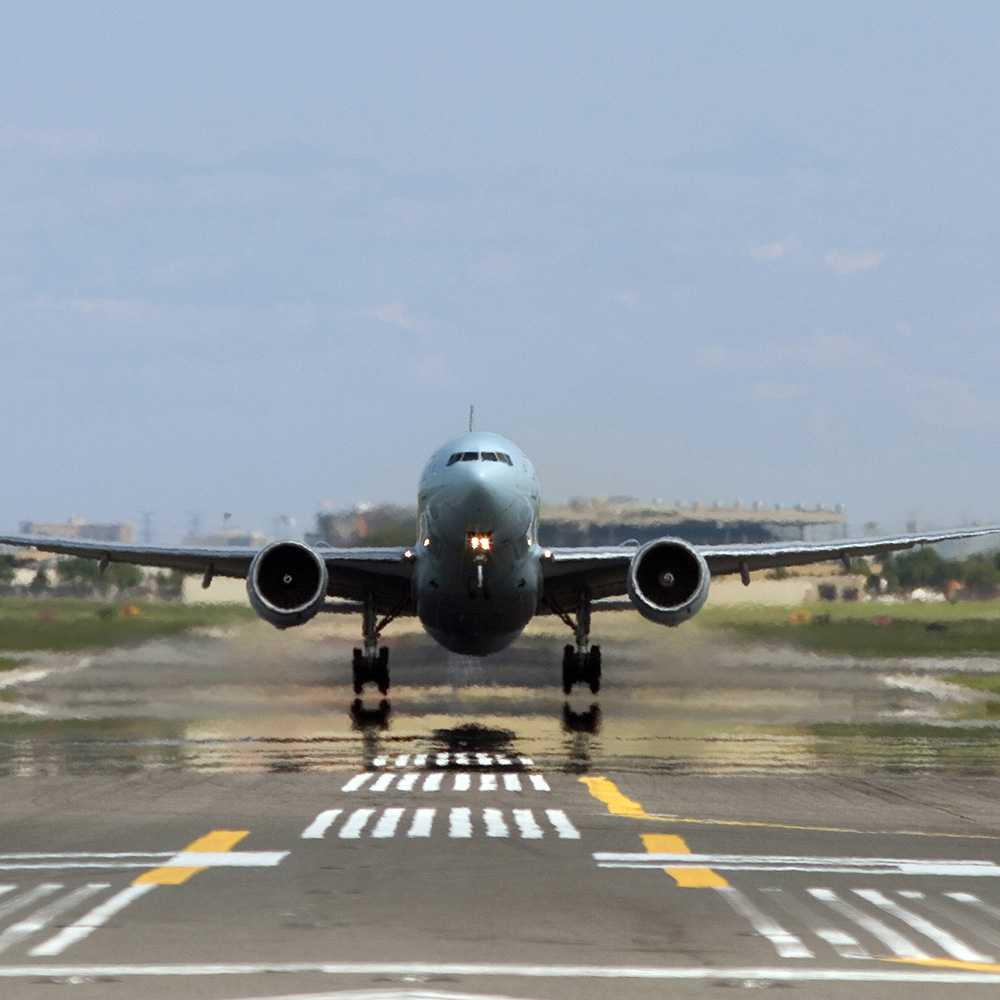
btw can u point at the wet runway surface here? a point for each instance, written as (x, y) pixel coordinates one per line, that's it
(215, 817)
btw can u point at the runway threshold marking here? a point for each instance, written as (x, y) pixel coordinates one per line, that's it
(619, 804)
(215, 843)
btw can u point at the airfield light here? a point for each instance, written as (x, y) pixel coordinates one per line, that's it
(480, 543)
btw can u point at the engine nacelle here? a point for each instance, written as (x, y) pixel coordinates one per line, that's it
(668, 581)
(287, 583)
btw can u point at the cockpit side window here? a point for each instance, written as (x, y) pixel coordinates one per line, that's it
(454, 458)
(504, 458)
(470, 456)
(490, 456)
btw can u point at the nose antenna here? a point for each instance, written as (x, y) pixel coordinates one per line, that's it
(472, 416)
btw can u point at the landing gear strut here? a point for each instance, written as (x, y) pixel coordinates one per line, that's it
(582, 662)
(370, 665)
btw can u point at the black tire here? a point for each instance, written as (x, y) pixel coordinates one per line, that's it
(358, 671)
(594, 669)
(569, 671)
(381, 671)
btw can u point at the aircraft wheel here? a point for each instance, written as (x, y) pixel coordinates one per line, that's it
(358, 671)
(594, 669)
(381, 671)
(569, 669)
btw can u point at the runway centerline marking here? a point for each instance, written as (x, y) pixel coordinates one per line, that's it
(212, 844)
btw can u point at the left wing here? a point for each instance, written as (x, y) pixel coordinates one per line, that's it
(353, 572)
(603, 570)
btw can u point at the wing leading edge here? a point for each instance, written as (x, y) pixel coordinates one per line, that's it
(353, 572)
(603, 569)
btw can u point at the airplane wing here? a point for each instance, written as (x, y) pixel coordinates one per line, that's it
(603, 569)
(353, 571)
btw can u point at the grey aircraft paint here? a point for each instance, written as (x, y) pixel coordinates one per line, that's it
(477, 602)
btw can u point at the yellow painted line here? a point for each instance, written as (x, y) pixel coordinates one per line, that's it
(686, 878)
(216, 842)
(947, 963)
(619, 804)
(606, 791)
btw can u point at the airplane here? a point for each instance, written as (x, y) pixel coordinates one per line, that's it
(476, 574)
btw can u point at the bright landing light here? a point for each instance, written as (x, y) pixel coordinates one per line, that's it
(480, 543)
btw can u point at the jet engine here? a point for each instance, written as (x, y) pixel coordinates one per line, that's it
(287, 583)
(668, 581)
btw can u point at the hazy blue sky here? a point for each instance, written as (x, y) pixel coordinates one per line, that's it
(256, 257)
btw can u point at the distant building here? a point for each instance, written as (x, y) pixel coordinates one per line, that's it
(613, 520)
(235, 537)
(77, 528)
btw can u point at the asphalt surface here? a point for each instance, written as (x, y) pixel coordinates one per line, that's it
(213, 817)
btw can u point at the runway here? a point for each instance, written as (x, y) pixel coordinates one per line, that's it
(213, 817)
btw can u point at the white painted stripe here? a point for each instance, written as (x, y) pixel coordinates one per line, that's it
(63, 865)
(407, 781)
(741, 862)
(539, 783)
(16, 903)
(442, 759)
(316, 830)
(357, 782)
(73, 855)
(433, 781)
(969, 919)
(402, 760)
(911, 894)
(526, 761)
(563, 826)
(512, 783)
(382, 782)
(941, 937)
(423, 820)
(387, 823)
(971, 900)
(380, 762)
(757, 974)
(420, 760)
(843, 944)
(900, 945)
(89, 923)
(525, 821)
(460, 822)
(226, 859)
(487, 782)
(787, 945)
(40, 919)
(484, 760)
(463, 782)
(351, 830)
(502, 761)
(462, 759)
(495, 824)
(6, 888)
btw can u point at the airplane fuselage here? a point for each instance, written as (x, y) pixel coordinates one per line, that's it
(477, 577)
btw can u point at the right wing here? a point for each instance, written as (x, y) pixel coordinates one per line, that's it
(353, 572)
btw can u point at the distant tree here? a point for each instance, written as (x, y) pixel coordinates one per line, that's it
(124, 577)
(170, 586)
(40, 584)
(980, 575)
(6, 571)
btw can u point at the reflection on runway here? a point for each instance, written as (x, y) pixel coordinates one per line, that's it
(241, 706)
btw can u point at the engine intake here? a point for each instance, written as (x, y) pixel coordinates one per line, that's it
(287, 583)
(668, 581)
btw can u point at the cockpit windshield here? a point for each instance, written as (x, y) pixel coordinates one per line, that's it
(476, 456)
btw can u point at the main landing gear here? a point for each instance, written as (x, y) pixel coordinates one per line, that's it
(370, 665)
(582, 662)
